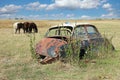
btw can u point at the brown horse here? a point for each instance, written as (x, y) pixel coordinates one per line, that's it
(26, 27)
(29, 27)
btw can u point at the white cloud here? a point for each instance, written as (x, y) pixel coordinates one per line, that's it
(107, 6)
(87, 4)
(4, 16)
(71, 4)
(62, 16)
(9, 9)
(57, 15)
(85, 17)
(52, 16)
(50, 7)
(109, 15)
(70, 15)
(66, 4)
(103, 1)
(75, 4)
(35, 6)
(45, 16)
(34, 17)
(12, 16)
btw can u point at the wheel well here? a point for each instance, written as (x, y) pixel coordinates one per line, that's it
(82, 53)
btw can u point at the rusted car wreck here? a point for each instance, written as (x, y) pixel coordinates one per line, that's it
(50, 48)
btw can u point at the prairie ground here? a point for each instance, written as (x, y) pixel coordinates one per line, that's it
(16, 62)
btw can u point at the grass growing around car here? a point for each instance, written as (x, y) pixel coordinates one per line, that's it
(16, 62)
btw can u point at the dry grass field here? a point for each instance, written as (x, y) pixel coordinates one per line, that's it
(16, 62)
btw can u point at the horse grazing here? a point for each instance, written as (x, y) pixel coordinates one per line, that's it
(17, 26)
(28, 27)
(33, 26)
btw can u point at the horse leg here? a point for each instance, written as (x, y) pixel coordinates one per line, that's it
(19, 31)
(15, 31)
(30, 29)
(24, 30)
(35, 29)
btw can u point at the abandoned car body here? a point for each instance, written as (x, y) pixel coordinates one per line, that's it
(50, 48)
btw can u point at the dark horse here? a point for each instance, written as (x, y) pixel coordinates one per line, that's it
(28, 27)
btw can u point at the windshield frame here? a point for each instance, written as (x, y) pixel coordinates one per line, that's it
(87, 34)
(67, 28)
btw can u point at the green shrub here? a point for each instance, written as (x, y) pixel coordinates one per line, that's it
(72, 51)
(32, 45)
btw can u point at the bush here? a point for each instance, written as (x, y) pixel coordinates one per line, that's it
(72, 51)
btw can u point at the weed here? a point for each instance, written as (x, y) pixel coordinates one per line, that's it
(73, 51)
(32, 45)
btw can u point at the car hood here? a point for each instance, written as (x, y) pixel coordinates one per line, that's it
(49, 46)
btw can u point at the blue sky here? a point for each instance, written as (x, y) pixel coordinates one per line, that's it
(59, 9)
